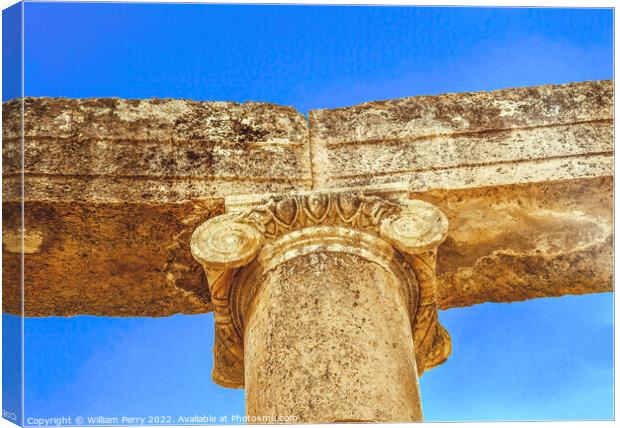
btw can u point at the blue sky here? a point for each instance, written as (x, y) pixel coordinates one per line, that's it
(307, 57)
(542, 359)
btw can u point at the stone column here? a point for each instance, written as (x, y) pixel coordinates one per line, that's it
(322, 311)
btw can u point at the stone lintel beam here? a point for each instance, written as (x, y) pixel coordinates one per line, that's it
(524, 175)
(114, 189)
(469, 140)
(333, 292)
(525, 241)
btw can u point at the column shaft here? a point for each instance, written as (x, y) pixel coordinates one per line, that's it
(328, 338)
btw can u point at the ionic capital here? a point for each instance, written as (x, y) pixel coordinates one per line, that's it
(395, 232)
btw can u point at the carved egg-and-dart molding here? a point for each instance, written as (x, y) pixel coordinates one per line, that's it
(371, 226)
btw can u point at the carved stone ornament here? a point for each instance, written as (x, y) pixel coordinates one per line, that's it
(398, 233)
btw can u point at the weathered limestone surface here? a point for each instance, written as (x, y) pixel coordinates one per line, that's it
(524, 176)
(467, 140)
(120, 259)
(160, 150)
(518, 242)
(114, 189)
(334, 329)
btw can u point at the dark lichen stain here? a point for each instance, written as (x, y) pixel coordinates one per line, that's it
(247, 133)
(111, 103)
(193, 156)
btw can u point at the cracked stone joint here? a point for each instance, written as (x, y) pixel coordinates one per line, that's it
(393, 241)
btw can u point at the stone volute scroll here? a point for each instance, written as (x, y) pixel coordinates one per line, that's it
(417, 231)
(344, 239)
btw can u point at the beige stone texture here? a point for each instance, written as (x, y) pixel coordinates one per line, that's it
(467, 140)
(93, 259)
(524, 176)
(114, 189)
(160, 150)
(523, 241)
(329, 340)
